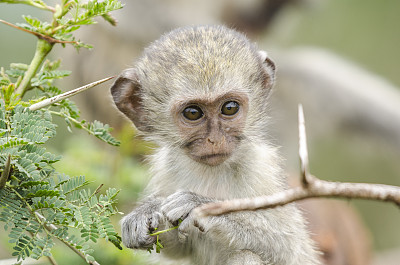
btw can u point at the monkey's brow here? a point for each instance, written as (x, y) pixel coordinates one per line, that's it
(210, 98)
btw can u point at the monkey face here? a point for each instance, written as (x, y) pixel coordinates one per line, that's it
(211, 128)
(196, 89)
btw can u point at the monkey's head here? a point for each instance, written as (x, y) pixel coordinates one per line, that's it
(201, 89)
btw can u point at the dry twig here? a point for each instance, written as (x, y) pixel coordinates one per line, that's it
(312, 187)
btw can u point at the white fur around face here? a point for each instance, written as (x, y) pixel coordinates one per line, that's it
(172, 170)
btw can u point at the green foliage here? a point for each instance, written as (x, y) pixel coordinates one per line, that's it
(37, 203)
(35, 187)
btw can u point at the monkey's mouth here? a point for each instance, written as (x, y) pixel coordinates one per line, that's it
(214, 155)
(213, 159)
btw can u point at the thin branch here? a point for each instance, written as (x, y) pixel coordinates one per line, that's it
(67, 94)
(17, 27)
(98, 189)
(319, 188)
(39, 35)
(312, 187)
(37, 4)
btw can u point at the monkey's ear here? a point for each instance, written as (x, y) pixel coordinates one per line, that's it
(126, 92)
(269, 68)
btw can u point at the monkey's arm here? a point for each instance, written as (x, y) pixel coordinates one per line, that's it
(267, 233)
(137, 225)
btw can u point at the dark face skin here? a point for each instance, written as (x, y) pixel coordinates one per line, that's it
(211, 128)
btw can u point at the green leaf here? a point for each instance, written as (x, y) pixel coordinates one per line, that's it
(36, 25)
(106, 230)
(102, 131)
(90, 233)
(12, 142)
(71, 185)
(43, 193)
(45, 77)
(33, 183)
(42, 247)
(83, 217)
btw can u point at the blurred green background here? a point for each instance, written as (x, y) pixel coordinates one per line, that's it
(366, 32)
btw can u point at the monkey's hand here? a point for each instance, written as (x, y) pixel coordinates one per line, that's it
(179, 206)
(137, 225)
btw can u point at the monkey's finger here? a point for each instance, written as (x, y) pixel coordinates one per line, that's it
(183, 231)
(174, 212)
(138, 241)
(199, 225)
(182, 237)
(154, 220)
(174, 219)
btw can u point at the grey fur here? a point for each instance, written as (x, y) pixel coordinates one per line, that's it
(206, 61)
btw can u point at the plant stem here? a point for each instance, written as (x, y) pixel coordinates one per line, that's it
(164, 231)
(43, 48)
(6, 172)
(72, 120)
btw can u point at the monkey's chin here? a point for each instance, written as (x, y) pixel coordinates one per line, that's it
(212, 159)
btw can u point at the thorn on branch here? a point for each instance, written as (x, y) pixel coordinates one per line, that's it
(67, 94)
(303, 152)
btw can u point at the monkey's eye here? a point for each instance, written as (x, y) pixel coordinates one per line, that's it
(230, 108)
(192, 113)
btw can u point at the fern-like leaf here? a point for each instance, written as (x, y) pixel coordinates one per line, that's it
(42, 247)
(90, 233)
(102, 131)
(83, 217)
(107, 231)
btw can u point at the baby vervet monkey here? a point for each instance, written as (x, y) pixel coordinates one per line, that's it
(201, 94)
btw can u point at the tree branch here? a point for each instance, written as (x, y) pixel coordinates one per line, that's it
(312, 187)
